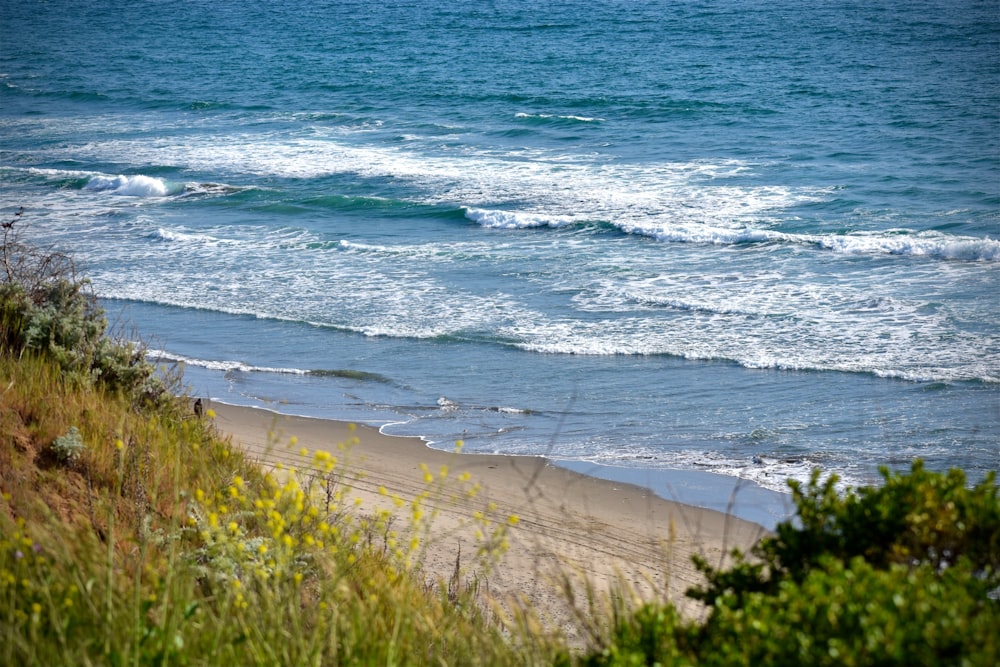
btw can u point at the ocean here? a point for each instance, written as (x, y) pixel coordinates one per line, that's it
(748, 238)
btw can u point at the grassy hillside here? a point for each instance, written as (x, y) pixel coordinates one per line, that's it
(137, 536)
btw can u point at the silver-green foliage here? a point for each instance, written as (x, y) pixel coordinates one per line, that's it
(46, 308)
(69, 447)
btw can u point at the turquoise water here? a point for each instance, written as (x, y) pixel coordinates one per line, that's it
(746, 238)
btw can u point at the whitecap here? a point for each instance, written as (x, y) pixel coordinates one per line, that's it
(131, 186)
(177, 236)
(498, 219)
(549, 116)
(446, 404)
(220, 365)
(702, 233)
(916, 244)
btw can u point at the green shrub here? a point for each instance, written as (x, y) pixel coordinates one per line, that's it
(901, 574)
(48, 309)
(65, 322)
(653, 635)
(922, 518)
(858, 614)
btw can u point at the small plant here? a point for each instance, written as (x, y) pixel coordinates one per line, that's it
(69, 447)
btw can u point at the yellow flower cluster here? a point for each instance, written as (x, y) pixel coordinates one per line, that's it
(276, 533)
(268, 533)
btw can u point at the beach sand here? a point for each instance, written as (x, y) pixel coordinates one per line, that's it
(570, 528)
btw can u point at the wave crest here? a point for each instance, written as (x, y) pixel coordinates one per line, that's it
(556, 118)
(902, 242)
(132, 186)
(918, 244)
(497, 219)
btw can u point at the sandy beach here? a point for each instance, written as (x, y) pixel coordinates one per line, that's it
(569, 527)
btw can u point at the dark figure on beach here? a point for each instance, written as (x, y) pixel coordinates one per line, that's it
(197, 408)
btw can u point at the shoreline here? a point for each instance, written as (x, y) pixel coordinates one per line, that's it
(571, 529)
(742, 498)
(728, 494)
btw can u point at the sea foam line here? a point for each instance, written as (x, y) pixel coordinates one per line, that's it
(671, 202)
(176, 236)
(496, 219)
(557, 117)
(227, 366)
(903, 242)
(683, 202)
(239, 366)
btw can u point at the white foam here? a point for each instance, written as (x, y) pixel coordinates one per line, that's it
(511, 411)
(765, 319)
(908, 242)
(903, 242)
(695, 232)
(514, 219)
(558, 186)
(214, 188)
(375, 291)
(363, 247)
(769, 472)
(136, 186)
(427, 252)
(774, 317)
(548, 116)
(62, 173)
(195, 238)
(766, 324)
(446, 404)
(789, 319)
(221, 365)
(679, 202)
(131, 186)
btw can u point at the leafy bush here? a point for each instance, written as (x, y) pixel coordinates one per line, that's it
(857, 614)
(63, 320)
(901, 574)
(45, 307)
(923, 518)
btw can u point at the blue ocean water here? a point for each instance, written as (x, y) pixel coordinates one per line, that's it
(747, 238)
